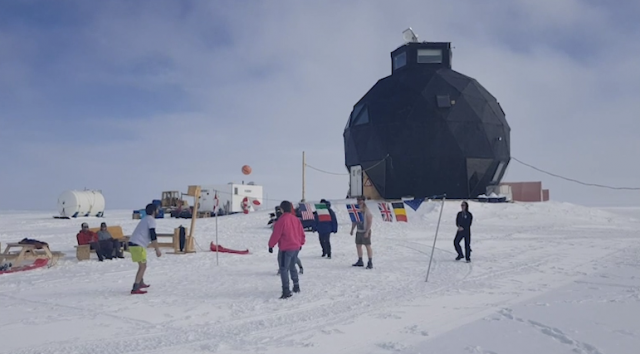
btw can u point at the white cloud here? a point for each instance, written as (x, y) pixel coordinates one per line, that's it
(265, 81)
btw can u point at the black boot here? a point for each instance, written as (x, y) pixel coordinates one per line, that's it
(296, 288)
(358, 263)
(370, 264)
(104, 254)
(286, 293)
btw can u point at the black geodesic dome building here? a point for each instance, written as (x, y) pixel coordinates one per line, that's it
(426, 130)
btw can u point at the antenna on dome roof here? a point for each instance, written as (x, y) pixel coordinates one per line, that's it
(409, 36)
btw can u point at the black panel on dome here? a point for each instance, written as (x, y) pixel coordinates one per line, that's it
(443, 101)
(443, 131)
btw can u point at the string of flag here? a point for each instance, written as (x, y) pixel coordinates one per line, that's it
(388, 210)
(307, 210)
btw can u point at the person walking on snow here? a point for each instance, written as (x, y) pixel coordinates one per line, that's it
(463, 222)
(363, 234)
(289, 235)
(298, 261)
(325, 228)
(143, 235)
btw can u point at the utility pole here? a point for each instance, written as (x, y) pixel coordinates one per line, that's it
(304, 164)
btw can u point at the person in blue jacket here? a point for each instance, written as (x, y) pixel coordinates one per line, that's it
(325, 229)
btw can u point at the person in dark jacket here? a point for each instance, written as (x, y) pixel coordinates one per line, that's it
(111, 246)
(463, 222)
(325, 229)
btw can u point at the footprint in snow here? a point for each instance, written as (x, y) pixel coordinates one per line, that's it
(478, 350)
(331, 331)
(493, 318)
(625, 332)
(386, 316)
(392, 346)
(415, 330)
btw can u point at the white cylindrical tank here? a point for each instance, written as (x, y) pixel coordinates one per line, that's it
(81, 203)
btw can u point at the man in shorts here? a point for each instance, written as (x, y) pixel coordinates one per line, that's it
(363, 234)
(143, 235)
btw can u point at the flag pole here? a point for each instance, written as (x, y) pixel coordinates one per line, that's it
(217, 208)
(303, 171)
(436, 237)
(217, 237)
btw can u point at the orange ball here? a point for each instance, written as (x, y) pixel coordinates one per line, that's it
(246, 169)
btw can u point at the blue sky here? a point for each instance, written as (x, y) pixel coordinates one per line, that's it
(139, 97)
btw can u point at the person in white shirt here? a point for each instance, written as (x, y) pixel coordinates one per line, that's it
(143, 235)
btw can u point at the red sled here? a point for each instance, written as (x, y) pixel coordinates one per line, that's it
(38, 263)
(226, 250)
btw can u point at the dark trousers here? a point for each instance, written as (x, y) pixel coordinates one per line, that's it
(325, 243)
(467, 244)
(297, 261)
(111, 247)
(96, 246)
(107, 249)
(287, 261)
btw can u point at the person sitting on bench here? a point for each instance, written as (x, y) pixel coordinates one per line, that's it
(88, 237)
(111, 246)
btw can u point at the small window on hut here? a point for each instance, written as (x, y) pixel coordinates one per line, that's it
(430, 56)
(399, 60)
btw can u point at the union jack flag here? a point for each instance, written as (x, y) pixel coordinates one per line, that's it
(385, 211)
(355, 213)
(306, 211)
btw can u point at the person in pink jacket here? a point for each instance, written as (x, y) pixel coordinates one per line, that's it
(289, 235)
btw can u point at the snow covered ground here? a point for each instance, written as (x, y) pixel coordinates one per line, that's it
(545, 278)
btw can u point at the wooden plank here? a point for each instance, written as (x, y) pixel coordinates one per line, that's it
(20, 245)
(193, 191)
(163, 244)
(115, 231)
(9, 256)
(196, 198)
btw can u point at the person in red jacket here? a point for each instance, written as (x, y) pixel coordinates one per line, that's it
(297, 260)
(289, 235)
(88, 237)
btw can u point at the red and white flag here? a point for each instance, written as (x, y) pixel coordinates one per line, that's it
(385, 211)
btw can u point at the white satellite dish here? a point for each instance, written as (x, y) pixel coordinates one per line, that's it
(409, 36)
